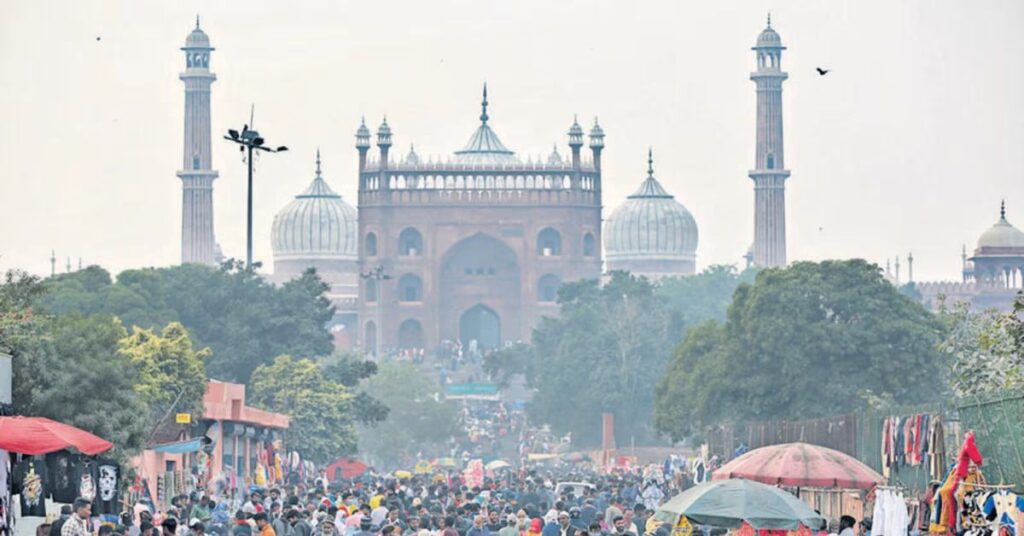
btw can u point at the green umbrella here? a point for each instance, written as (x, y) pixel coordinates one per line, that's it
(728, 503)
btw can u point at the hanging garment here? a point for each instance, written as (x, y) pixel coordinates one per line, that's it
(61, 466)
(30, 481)
(83, 479)
(878, 513)
(108, 477)
(1004, 508)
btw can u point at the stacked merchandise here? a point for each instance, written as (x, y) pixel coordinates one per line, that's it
(913, 441)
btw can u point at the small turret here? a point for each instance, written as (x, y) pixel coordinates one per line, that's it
(362, 143)
(384, 142)
(597, 144)
(575, 142)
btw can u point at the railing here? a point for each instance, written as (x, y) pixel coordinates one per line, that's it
(503, 197)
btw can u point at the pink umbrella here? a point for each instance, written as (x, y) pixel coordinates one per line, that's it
(801, 464)
(39, 435)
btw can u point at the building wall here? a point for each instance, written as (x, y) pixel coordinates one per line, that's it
(506, 221)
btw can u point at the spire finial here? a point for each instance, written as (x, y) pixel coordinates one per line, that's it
(318, 162)
(1002, 210)
(769, 19)
(650, 162)
(483, 115)
(362, 120)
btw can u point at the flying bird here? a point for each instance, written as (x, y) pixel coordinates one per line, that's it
(821, 71)
(97, 38)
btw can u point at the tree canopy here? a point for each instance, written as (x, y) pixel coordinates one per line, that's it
(243, 319)
(172, 375)
(986, 348)
(608, 346)
(809, 340)
(320, 409)
(419, 416)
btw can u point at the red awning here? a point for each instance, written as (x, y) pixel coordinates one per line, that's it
(801, 464)
(39, 435)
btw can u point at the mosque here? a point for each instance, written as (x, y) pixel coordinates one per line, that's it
(472, 246)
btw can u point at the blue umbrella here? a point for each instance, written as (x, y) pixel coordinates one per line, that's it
(728, 503)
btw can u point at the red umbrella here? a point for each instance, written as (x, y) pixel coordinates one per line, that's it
(39, 435)
(345, 468)
(800, 464)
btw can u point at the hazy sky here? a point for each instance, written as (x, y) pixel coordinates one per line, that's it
(909, 144)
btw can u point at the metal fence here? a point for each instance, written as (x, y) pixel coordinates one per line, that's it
(997, 420)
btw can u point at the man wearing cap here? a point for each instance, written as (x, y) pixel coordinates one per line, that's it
(564, 527)
(365, 525)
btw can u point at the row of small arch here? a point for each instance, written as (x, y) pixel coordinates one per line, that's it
(549, 243)
(410, 288)
(479, 182)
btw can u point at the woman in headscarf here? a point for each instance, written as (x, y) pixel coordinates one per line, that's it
(536, 526)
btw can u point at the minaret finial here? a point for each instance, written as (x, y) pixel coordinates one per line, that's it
(483, 115)
(650, 162)
(769, 19)
(1002, 210)
(197, 21)
(318, 162)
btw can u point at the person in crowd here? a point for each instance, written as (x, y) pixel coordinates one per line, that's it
(618, 525)
(78, 523)
(43, 529)
(263, 523)
(479, 527)
(146, 528)
(846, 525)
(196, 528)
(241, 526)
(865, 526)
(594, 529)
(54, 528)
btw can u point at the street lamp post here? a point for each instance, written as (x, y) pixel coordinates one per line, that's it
(249, 139)
(377, 275)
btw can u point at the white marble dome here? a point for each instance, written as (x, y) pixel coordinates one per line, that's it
(198, 38)
(651, 226)
(1002, 235)
(317, 224)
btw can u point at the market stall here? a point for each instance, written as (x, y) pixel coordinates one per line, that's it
(731, 503)
(48, 460)
(829, 481)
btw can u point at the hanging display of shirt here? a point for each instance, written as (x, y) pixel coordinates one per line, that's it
(108, 476)
(6, 514)
(60, 466)
(30, 483)
(83, 479)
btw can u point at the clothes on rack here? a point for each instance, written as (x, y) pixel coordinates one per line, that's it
(912, 441)
(890, 516)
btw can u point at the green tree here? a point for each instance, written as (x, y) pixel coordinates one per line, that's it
(984, 348)
(242, 318)
(420, 419)
(705, 296)
(603, 353)
(172, 375)
(502, 365)
(808, 340)
(350, 369)
(319, 409)
(76, 375)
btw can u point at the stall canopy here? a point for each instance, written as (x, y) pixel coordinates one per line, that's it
(180, 447)
(39, 435)
(801, 464)
(345, 468)
(728, 503)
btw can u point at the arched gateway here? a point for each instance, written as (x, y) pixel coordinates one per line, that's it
(481, 324)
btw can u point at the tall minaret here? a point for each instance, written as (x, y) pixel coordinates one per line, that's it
(769, 173)
(197, 241)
